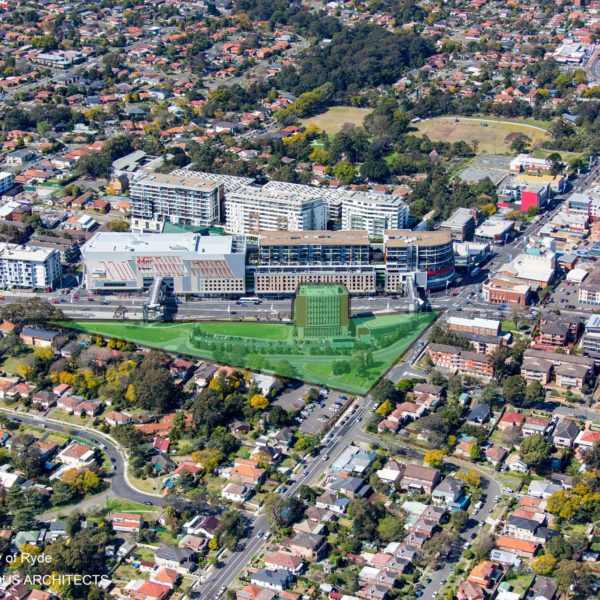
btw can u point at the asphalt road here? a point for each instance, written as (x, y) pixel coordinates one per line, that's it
(118, 482)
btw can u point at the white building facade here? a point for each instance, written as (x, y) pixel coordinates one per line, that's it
(28, 268)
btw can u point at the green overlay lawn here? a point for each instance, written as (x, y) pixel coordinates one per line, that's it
(271, 347)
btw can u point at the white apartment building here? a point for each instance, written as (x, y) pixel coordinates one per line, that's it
(334, 198)
(249, 211)
(6, 181)
(185, 200)
(29, 268)
(373, 213)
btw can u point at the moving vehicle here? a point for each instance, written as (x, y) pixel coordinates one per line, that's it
(249, 300)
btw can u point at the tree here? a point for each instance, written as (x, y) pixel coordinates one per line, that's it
(544, 565)
(458, 520)
(534, 449)
(391, 528)
(482, 546)
(384, 390)
(118, 225)
(26, 456)
(591, 457)
(534, 393)
(375, 170)
(574, 580)
(279, 417)
(259, 402)
(439, 547)
(283, 512)
(434, 458)
(344, 171)
(385, 408)
(470, 477)
(365, 518)
(513, 390)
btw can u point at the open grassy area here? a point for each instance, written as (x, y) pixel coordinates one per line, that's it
(332, 120)
(271, 347)
(123, 505)
(494, 139)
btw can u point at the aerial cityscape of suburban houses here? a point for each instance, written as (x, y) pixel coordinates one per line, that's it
(299, 300)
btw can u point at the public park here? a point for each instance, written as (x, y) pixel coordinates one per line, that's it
(323, 345)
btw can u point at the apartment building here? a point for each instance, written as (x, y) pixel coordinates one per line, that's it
(29, 268)
(251, 211)
(157, 199)
(6, 181)
(461, 361)
(373, 213)
(590, 341)
(188, 263)
(570, 371)
(287, 259)
(589, 290)
(427, 257)
(334, 198)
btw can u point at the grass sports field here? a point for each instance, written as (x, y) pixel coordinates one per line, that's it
(234, 345)
(493, 139)
(332, 120)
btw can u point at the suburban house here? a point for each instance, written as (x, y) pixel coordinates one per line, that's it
(309, 546)
(419, 479)
(77, 455)
(126, 522)
(38, 338)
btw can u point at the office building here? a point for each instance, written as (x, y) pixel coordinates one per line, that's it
(157, 199)
(187, 263)
(494, 230)
(250, 211)
(322, 312)
(426, 257)
(461, 224)
(28, 268)
(589, 290)
(373, 213)
(288, 259)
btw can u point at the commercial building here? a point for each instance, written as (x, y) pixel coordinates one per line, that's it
(187, 263)
(468, 255)
(426, 257)
(29, 268)
(536, 265)
(157, 199)
(322, 312)
(494, 231)
(373, 212)
(506, 290)
(250, 211)
(526, 162)
(286, 259)
(461, 224)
